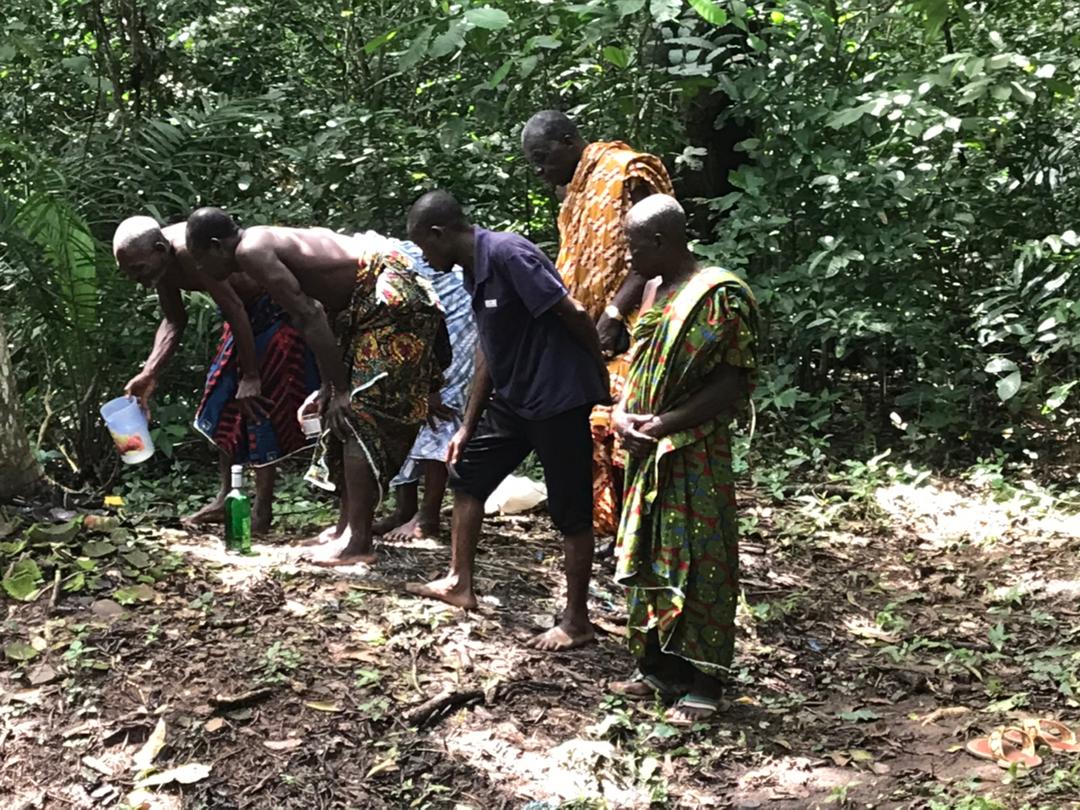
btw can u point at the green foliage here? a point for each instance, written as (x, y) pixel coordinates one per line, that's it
(902, 190)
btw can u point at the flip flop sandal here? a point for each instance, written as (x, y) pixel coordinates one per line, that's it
(1054, 735)
(702, 707)
(644, 687)
(1006, 747)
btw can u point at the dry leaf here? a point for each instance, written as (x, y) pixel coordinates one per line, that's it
(859, 755)
(214, 724)
(282, 745)
(319, 706)
(97, 765)
(151, 748)
(41, 674)
(184, 774)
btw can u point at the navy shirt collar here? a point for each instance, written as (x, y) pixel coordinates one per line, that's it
(481, 269)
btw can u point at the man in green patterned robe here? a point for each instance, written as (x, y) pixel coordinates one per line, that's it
(692, 364)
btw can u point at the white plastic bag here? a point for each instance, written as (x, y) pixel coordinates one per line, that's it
(516, 494)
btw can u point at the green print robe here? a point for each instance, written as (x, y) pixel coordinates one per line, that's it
(678, 544)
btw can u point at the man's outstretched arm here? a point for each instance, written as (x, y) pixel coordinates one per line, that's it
(166, 341)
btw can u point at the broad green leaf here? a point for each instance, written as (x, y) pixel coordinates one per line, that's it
(19, 651)
(97, 548)
(933, 131)
(493, 19)
(500, 74)
(999, 365)
(448, 42)
(628, 7)
(22, 580)
(710, 11)
(1008, 386)
(617, 56)
(13, 547)
(544, 41)
(373, 45)
(62, 533)
(1022, 93)
(75, 582)
(417, 49)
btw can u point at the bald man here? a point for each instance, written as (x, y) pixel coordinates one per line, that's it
(678, 546)
(380, 383)
(601, 181)
(246, 427)
(538, 374)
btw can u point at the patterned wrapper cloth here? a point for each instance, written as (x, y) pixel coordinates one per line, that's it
(432, 442)
(288, 373)
(678, 543)
(593, 262)
(389, 341)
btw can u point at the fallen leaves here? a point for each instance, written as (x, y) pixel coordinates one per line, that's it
(291, 744)
(144, 759)
(187, 774)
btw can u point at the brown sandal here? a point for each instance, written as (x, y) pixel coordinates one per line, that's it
(1006, 746)
(1054, 735)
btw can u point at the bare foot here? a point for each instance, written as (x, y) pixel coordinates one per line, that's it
(415, 529)
(445, 590)
(213, 512)
(344, 559)
(562, 637)
(327, 535)
(388, 523)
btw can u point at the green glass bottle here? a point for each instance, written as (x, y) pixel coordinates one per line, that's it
(238, 515)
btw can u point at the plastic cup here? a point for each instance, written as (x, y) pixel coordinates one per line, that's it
(127, 426)
(308, 417)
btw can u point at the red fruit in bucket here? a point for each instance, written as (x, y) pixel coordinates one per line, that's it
(132, 443)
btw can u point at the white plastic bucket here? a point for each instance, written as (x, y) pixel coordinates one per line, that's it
(127, 426)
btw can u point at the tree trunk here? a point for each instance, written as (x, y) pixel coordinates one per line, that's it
(18, 469)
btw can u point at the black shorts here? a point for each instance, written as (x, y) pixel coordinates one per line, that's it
(563, 444)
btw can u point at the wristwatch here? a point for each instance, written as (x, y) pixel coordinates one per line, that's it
(612, 312)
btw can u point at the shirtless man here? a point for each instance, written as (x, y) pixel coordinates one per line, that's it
(158, 257)
(378, 385)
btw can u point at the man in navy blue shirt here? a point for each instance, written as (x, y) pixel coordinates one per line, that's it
(539, 372)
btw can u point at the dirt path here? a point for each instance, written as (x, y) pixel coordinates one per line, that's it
(875, 641)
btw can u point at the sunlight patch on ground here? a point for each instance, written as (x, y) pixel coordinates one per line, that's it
(942, 515)
(533, 768)
(790, 778)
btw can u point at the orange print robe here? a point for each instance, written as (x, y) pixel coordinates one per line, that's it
(593, 261)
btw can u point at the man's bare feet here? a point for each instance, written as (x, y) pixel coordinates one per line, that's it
(213, 512)
(327, 535)
(562, 637)
(445, 590)
(345, 558)
(413, 530)
(389, 523)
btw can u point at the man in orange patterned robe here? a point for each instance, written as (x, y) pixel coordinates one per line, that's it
(602, 181)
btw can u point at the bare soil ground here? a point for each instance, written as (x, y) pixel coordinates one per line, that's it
(876, 639)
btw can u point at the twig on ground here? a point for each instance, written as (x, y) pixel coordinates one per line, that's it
(449, 699)
(242, 699)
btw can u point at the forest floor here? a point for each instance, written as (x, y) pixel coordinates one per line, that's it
(877, 635)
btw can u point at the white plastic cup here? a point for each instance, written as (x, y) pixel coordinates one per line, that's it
(308, 417)
(127, 426)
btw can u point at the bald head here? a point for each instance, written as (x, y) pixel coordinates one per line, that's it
(137, 234)
(659, 215)
(142, 251)
(656, 233)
